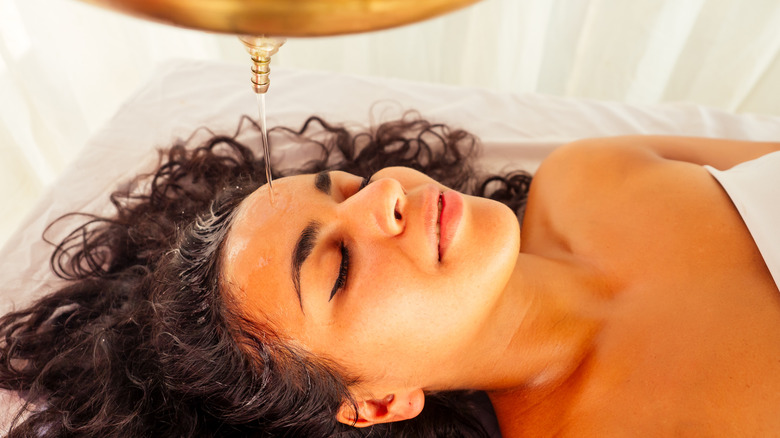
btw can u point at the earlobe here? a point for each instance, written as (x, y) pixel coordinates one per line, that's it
(399, 406)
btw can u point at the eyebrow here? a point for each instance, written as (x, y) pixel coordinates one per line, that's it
(322, 182)
(308, 238)
(302, 251)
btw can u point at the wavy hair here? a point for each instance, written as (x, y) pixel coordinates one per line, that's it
(142, 340)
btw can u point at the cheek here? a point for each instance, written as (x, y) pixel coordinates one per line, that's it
(392, 339)
(397, 322)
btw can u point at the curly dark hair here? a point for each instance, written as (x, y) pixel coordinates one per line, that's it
(142, 340)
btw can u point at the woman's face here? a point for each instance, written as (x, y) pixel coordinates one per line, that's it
(381, 279)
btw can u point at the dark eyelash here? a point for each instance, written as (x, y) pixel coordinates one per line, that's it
(341, 281)
(366, 181)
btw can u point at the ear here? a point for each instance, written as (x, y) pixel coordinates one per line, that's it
(402, 405)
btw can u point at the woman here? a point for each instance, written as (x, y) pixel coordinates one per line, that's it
(637, 281)
(633, 302)
(144, 339)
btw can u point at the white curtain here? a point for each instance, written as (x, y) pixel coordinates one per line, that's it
(66, 66)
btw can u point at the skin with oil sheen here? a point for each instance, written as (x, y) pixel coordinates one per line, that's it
(633, 279)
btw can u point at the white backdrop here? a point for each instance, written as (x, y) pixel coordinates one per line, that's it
(65, 67)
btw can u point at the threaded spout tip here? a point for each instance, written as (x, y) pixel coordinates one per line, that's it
(260, 49)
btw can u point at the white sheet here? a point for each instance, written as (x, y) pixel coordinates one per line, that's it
(181, 96)
(754, 188)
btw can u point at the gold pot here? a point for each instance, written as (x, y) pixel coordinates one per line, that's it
(294, 18)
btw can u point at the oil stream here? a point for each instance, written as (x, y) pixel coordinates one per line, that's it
(266, 146)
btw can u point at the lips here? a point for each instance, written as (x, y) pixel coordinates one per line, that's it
(438, 222)
(438, 225)
(442, 214)
(450, 213)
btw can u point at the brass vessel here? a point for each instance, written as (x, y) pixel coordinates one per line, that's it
(263, 24)
(280, 18)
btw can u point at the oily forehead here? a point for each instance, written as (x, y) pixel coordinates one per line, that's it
(258, 249)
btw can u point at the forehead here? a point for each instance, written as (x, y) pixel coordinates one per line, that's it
(258, 250)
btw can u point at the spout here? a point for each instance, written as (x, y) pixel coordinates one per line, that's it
(260, 49)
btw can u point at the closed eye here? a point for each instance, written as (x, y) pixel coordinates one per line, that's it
(341, 279)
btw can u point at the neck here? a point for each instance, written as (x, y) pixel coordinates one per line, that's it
(546, 325)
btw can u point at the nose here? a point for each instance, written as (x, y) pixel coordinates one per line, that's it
(377, 209)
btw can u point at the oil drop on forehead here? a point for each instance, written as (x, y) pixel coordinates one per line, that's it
(266, 146)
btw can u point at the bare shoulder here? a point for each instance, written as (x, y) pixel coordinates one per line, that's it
(593, 166)
(576, 182)
(606, 154)
(591, 187)
(719, 153)
(631, 162)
